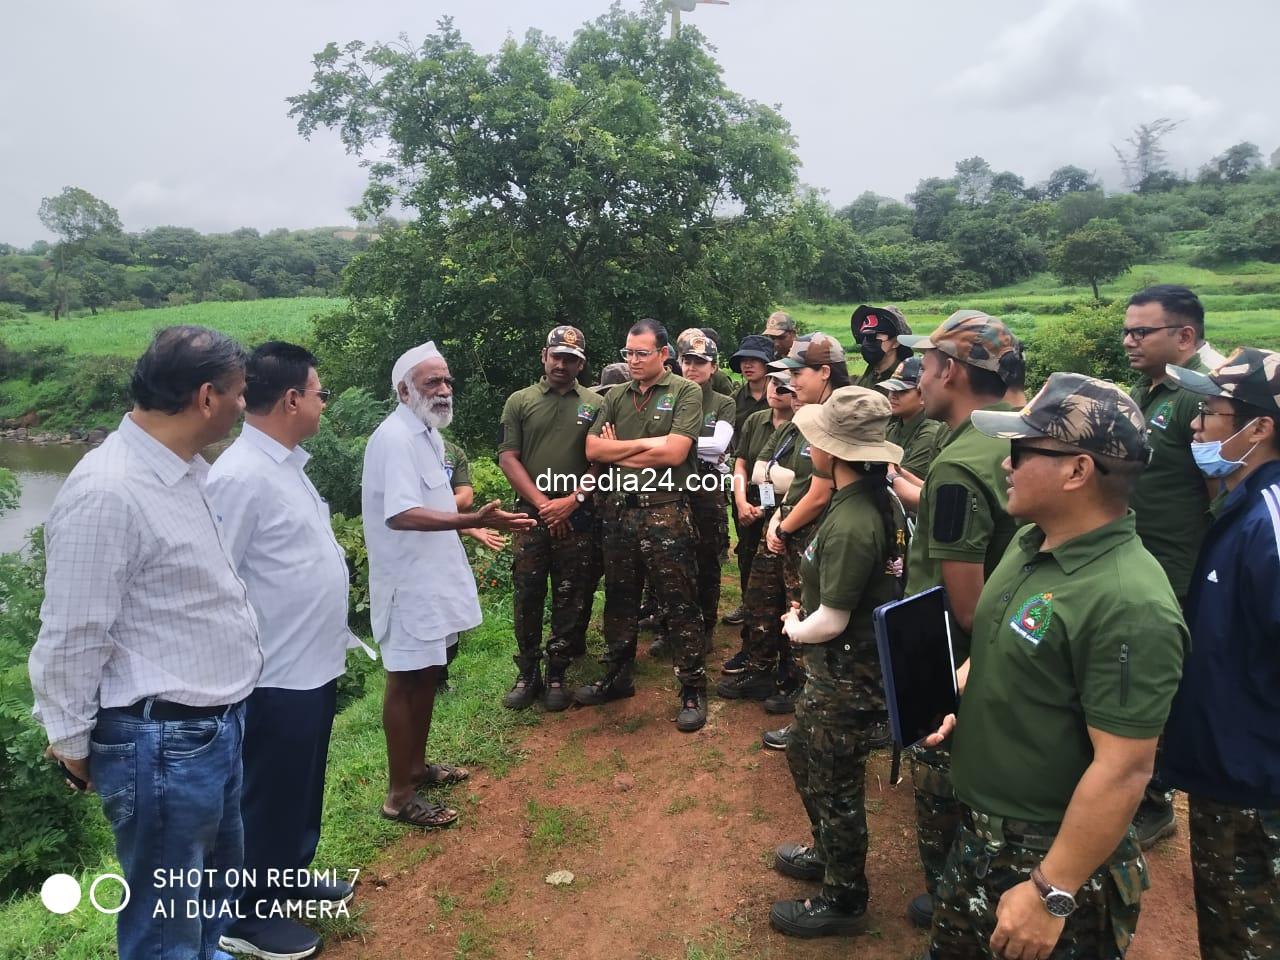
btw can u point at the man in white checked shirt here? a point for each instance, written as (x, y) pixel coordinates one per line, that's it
(148, 645)
(276, 527)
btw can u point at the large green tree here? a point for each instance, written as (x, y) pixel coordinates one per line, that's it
(593, 182)
(1097, 252)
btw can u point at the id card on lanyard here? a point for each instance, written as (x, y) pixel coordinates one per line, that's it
(767, 496)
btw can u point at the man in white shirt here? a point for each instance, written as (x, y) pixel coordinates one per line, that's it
(421, 591)
(276, 528)
(148, 646)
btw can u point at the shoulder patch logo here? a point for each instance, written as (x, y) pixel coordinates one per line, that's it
(1033, 618)
(806, 451)
(811, 550)
(1161, 418)
(666, 403)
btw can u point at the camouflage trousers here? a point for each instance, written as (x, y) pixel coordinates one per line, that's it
(827, 754)
(938, 812)
(763, 604)
(710, 526)
(656, 544)
(595, 572)
(565, 562)
(749, 537)
(797, 543)
(1235, 866)
(979, 872)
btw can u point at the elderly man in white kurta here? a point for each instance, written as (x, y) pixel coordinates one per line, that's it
(421, 590)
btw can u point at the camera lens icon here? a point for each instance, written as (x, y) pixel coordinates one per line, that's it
(61, 893)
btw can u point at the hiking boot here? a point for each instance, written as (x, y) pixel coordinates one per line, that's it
(878, 737)
(749, 685)
(693, 709)
(817, 917)
(612, 686)
(275, 938)
(920, 911)
(1153, 822)
(800, 861)
(524, 692)
(782, 701)
(555, 694)
(734, 617)
(736, 664)
(777, 739)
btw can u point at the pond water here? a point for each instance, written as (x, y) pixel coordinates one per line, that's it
(40, 469)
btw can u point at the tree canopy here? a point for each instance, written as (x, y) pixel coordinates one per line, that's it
(1097, 252)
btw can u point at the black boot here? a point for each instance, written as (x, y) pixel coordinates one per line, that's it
(524, 692)
(555, 693)
(612, 686)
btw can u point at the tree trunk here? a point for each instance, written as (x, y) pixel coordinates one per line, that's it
(1094, 283)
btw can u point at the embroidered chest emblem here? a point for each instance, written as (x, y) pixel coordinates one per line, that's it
(709, 420)
(1163, 412)
(1033, 618)
(666, 403)
(805, 451)
(586, 413)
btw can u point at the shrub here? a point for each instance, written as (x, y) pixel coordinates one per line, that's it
(337, 451)
(1086, 341)
(9, 490)
(127, 305)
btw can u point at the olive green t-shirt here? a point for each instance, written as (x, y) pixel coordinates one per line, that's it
(744, 404)
(920, 439)
(1171, 498)
(456, 465)
(672, 405)
(871, 376)
(963, 511)
(752, 435)
(1087, 635)
(549, 432)
(843, 568)
(715, 407)
(796, 456)
(721, 382)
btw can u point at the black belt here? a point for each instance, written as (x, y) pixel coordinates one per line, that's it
(633, 500)
(162, 710)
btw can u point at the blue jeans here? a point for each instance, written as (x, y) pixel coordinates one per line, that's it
(171, 792)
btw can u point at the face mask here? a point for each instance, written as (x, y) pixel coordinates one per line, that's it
(1209, 459)
(872, 351)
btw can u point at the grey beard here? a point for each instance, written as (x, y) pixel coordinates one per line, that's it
(436, 419)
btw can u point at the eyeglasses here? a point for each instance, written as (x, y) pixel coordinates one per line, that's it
(637, 354)
(1204, 411)
(1018, 452)
(1141, 333)
(324, 394)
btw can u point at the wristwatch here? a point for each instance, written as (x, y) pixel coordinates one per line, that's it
(1058, 902)
(580, 497)
(784, 535)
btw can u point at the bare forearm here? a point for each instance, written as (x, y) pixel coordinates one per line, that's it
(424, 520)
(1100, 812)
(907, 492)
(604, 450)
(810, 506)
(666, 455)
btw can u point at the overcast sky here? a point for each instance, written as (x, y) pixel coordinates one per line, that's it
(175, 112)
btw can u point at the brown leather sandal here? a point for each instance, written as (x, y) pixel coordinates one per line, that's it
(418, 812)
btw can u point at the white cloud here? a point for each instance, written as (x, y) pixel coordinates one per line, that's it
(1178, 101)
(1064, 50)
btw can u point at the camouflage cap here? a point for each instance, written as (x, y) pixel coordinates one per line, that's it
(694, 343)
(1249, 375)
(820, 348)
(566, 339)
(972, 337)
(905, 377)
(782, 378)
(614, 373)
(779, 323)
(1094, 416)
(889, 320)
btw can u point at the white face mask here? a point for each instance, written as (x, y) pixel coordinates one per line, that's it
(1209, 458)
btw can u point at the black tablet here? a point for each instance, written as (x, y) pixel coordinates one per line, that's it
(918, 665)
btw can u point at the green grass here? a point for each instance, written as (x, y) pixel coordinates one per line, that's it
(1242, 303)
(126, 334)
(556, 827)
(469, 727)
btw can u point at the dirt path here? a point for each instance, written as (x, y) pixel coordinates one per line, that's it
(670, 841)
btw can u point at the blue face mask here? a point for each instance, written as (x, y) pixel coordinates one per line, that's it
(1209, 458)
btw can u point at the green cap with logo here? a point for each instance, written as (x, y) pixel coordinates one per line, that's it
(1249, 375)
(972, 337)
(906, 376)
(566, 339)
(820, 348)
(1093, 416)
(694, 343)
(779, 323)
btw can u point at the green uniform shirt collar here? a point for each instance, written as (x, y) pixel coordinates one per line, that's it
(1168, 383)
(662, 381)
(1087, 547)
(856, 488)
(968, 422)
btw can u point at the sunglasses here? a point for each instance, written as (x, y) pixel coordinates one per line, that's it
(1019, 452)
